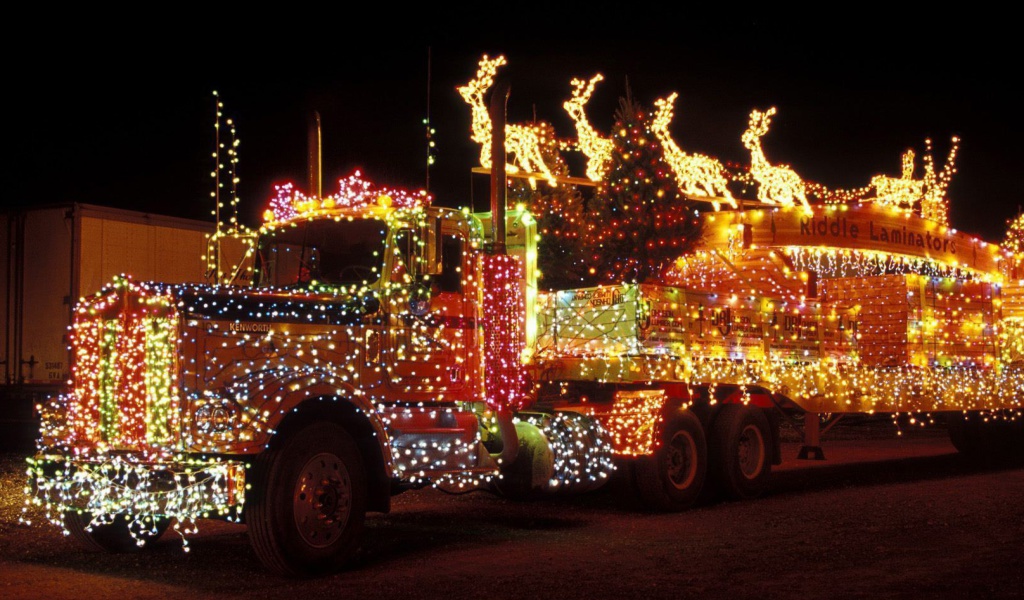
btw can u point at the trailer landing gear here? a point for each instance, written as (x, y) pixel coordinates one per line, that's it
(811, 448)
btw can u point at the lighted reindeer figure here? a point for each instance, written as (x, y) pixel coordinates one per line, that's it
(899, 192)
(934, 203)
(597, 149)
(778, 184)
(522, 141)
(696, 174)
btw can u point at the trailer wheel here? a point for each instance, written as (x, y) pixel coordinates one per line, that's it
(739, 446)
(116, 536)
(965, 434)
(307, 505)
(671, 479)
(997, 440)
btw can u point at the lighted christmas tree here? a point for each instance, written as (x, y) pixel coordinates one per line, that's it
(637, 222)
(1014, 241)
(559, 211)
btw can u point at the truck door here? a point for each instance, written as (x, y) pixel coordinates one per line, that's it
(432, 338)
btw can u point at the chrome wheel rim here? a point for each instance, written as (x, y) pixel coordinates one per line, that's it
(682, 460)
(322, 501)
(751, 452)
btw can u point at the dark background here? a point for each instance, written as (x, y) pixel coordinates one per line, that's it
(118, 110)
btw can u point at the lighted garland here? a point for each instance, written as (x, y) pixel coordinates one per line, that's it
(354, 192)
(834, 262)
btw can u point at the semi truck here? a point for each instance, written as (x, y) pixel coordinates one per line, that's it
(383, 343)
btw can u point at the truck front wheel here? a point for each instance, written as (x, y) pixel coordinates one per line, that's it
(671, 478)
(120, 534)
(740, 458)
(307, 504)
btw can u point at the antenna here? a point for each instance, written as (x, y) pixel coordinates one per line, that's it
(233, 172)
(426, 123)
(313, 153)
(225, 158)
(215, 266)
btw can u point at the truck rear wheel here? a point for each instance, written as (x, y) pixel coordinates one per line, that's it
(671, 479)
(740, 456)
(117, 535)
(965, 434)
(999, 439)
(307, 505)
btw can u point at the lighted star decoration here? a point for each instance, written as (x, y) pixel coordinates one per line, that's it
(697, 175)
(777, 184)
(524, 142)
(596, 148)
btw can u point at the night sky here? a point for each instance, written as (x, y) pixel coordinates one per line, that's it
(123, 116)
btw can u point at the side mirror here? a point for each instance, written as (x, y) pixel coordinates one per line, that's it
(419, 300)
(371, 304)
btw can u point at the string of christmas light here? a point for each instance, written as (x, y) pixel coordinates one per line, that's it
(632, 421)
(582, 451)
(504, 331)
(354, 191)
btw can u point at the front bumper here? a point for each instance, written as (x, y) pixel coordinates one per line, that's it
(182, 488)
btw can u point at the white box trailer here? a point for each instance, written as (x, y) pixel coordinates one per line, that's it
(53, 255)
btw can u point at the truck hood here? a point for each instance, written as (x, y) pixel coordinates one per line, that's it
(223, 303)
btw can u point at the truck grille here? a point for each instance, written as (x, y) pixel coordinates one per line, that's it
(125, 388)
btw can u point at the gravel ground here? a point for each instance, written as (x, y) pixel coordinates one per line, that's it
(884, 517)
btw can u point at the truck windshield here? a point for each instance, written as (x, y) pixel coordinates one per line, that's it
(342, 253)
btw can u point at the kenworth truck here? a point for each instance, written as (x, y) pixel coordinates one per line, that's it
(383, 344)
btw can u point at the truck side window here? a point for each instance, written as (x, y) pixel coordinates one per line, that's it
(404, 255)
(450, 278)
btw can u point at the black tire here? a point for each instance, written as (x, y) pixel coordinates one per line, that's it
(307, 504)
(115, 536)
(740, 452)
(965, 433)
(671, 479)
(998, 440)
